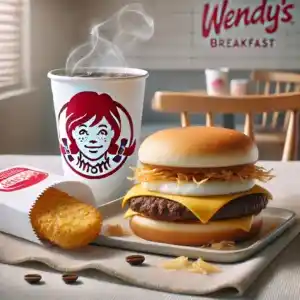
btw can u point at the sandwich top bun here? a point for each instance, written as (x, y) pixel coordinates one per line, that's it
(198, 147)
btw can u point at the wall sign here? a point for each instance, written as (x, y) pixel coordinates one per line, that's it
(239, 34)
(223, 17)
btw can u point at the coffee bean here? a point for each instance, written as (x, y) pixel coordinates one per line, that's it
(69, 278)
(33, 278)
(135, 260)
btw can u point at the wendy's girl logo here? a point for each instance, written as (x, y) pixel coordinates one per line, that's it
(96, 134)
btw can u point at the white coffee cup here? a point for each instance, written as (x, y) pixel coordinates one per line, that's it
(239, 87)
(99, 124)
(217, 81)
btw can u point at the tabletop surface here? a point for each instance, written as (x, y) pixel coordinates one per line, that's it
(279, 281)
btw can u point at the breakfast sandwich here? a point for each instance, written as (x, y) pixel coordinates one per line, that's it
(197, 185)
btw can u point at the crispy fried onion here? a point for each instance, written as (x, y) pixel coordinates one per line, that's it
(148, 173)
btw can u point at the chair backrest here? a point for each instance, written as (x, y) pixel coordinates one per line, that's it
(185, 103)
(268, 82)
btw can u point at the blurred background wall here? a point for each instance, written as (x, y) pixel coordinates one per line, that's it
(27, 123)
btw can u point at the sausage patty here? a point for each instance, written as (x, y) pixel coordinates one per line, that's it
(167, 210)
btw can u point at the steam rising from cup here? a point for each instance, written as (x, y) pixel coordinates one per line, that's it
(111, 39)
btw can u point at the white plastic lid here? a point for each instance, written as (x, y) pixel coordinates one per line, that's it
(241, 81)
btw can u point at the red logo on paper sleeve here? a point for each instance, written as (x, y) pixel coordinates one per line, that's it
(95, 134)
(20, 178)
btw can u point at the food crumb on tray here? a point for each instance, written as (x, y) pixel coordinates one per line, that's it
(115, 230)
(224, 245)
(198, 266)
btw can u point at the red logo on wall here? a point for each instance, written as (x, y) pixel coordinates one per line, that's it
(96, 134)
(19, 178)
(221, 17)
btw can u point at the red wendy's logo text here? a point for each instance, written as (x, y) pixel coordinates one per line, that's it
(221, 17)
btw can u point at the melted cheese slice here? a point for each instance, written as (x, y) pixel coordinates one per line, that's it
(203, 208)
(243, 223)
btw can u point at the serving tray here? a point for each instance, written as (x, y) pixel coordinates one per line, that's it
(275, 222)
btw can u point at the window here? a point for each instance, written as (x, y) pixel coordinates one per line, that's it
(14, 42)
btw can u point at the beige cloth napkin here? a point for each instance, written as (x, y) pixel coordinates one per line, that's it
(112, 262)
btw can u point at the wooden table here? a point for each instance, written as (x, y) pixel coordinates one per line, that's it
(279, 281)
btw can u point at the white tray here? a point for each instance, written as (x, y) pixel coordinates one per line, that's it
(276, 221)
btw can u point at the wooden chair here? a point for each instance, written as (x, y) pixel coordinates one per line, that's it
(268, 82)
(186, 103)
(270, 131)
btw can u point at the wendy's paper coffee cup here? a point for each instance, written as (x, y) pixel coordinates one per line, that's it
(217, 81)
(239, 87)
(98, 115)
(20, 187)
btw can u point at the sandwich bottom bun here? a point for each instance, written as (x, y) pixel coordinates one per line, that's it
(190, 234)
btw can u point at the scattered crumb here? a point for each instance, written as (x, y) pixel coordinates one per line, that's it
(115, 230)
(205, 246)
(224, 245)
(198, 266)
(202, 267)
(178, 263)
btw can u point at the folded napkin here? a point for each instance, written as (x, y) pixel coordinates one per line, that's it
(112, 262)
